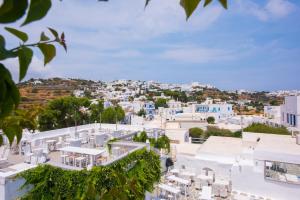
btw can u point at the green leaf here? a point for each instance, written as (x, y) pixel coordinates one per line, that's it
(62, 41)
(54, 32)
(189, 6)
(4, 54)
(207, 2)
(224, 3)
(12, 10)
(48, 51)
(37, 10)
(44, 37)
(147, 2)
(10, 95)
(1, 140)
(11, 129)
(15, 94)
(21, 35)
(25, 56)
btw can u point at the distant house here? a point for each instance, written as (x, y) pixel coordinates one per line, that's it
(78, 93)
(149, 108)
(290, 112)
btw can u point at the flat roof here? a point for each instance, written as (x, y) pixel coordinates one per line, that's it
(282, 148)
(81, 150)
(15, 169)
(224, 146)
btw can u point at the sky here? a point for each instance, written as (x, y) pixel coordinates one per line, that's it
(253, 45)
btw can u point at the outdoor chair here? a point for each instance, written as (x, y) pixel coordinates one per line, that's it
(223, 193)
(5, 155)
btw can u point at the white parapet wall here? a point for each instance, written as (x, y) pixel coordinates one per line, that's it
(10, 185)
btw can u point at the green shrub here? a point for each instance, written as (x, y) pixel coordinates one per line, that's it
(162, 142)
(263, 128)
(128, 178)
(210, 120)
(196, 133)
(214, 131)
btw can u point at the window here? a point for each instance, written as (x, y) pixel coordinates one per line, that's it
(287, 118)
(283, 172)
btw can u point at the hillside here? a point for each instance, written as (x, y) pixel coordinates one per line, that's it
(40, 91)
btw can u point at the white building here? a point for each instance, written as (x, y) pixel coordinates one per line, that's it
(263, 165)
(290, 112)
(220, 111)
(273, 115)
(169, 113)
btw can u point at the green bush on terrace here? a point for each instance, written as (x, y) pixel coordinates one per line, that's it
(263, 128)
(213, 131)
(128, 178)
(163, 142)
(196, 132)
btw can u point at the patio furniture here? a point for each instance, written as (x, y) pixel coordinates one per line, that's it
(205, 194)
(188, 175)
(79, 161)
(74, 142)
(63, 158)
(223, 193)
(170, 189)
(5, 155)
(91, 153)
(27, 156)
(175, 172)
(182, 181)
(51, 144)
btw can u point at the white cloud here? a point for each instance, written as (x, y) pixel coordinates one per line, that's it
(273, 9)
(36, 69)
(198, 55)
(279, 8)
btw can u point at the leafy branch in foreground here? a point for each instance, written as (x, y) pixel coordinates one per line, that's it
(190, 6)
(34, 10)
(9, 96)
(10, 12)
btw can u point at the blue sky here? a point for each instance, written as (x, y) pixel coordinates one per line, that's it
(253, 45)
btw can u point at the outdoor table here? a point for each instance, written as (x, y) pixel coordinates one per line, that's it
(208, 178)
(222, 182)
(181, 181)
(170, 189)
(190, 174)
(79, 159)
(74, 142)
(175, 171)
(93, 153)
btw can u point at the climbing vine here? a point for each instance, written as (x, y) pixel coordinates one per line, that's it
(128, 178)
(163, 142)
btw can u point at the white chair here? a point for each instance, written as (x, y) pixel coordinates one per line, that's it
(197, 183)
(2, 148)
(215, 191)
(223, 193)
(205, 194)
(5, 155)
